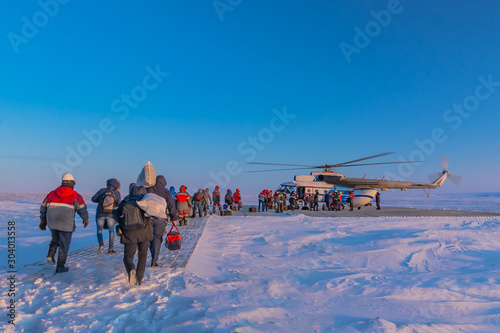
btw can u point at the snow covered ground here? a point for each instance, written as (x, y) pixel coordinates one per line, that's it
(276, 274)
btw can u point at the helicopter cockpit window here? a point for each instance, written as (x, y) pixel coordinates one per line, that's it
(285, 188)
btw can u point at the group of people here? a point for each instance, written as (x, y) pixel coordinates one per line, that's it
(60, 206)
(276, 201)
(333, 200)
(232, 201)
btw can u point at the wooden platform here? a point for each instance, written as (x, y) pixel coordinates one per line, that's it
(167, 259)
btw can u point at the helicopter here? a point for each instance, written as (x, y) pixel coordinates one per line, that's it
(364, 189)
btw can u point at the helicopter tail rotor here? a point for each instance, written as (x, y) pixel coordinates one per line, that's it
(445, 160)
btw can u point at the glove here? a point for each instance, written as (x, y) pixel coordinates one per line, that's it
(85, 223)
(43, 224)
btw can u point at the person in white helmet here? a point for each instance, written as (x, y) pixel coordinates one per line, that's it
(58, 213)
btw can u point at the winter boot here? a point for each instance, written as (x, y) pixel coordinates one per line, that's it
(131, 278)
(101, 248)
(213, 210)
(62, 269)
(52, 253)
(111, 251)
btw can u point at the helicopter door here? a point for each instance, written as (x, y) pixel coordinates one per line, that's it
(300, 192)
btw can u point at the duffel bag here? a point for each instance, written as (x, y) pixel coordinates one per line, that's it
(174, 239)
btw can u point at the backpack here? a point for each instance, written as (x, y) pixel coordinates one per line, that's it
(107, 202)
(132, 216)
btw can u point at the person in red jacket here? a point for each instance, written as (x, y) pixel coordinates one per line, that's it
(58, 213)
(216, 198)
(183, 204)
(237, 199)
(351, 201)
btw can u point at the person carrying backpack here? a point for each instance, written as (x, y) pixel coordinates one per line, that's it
(159, 224)
(197, 201)
(136, 233)
(107, 199)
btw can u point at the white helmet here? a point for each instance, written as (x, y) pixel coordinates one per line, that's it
(68, 177)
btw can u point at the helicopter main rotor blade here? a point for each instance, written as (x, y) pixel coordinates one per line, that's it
(361, 159)
(294, 165)
(277, 170)
(363, 164)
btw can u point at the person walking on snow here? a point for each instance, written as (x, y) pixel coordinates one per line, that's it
(197, 201)
(377, 200)
(228, 199)
(58, 213)
(172, 191)
(159, 224)
(135, 240)
(107, 199)
(208, 198)
(216, 198)
(183, 205)
(237, 200)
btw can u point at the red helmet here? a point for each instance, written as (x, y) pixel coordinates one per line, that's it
(216, 187)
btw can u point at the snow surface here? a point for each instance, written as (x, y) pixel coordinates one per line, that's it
(276, 274)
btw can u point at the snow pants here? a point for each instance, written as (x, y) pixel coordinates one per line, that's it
(158, 232)
(129, 250)
(61, 239)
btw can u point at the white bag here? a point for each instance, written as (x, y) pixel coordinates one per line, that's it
(153, 205)
(147, 177)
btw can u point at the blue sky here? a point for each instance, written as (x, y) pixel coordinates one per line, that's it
(203, 77)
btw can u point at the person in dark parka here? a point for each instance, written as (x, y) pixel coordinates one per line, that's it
(328, 200)
(197, 202)
(135, 239)
(160, 224)
(377, 200)
(103, 218)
